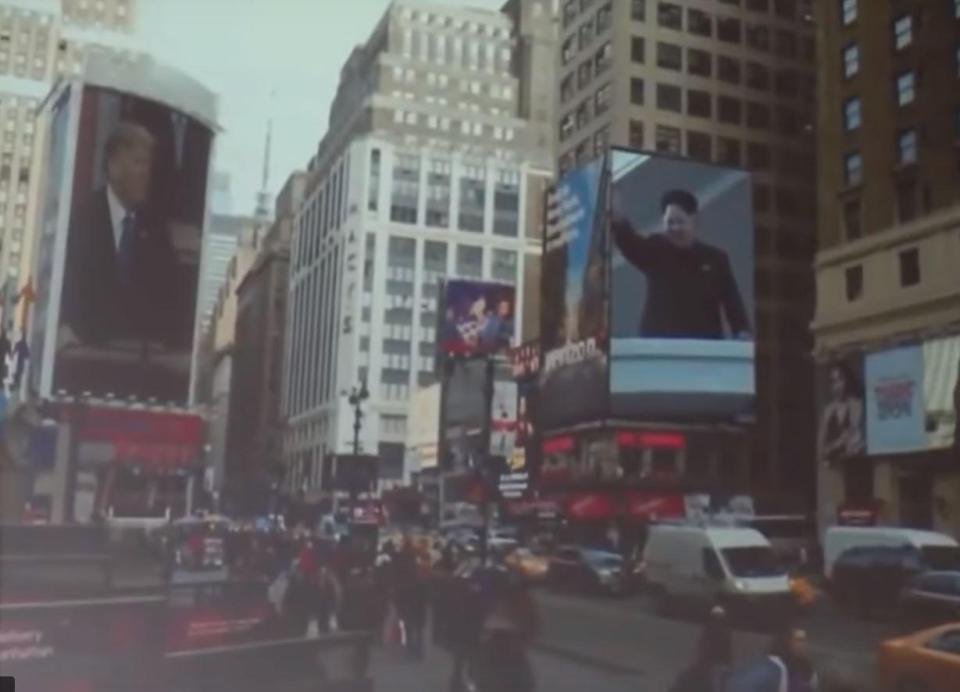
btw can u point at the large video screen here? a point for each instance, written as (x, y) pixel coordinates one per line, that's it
(478, 318)
(573, 378)
(683, 249)
(132, 250)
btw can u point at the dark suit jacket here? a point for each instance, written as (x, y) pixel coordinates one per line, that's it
(95, 304)
(689, 290)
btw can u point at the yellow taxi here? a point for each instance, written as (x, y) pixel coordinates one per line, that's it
(926, 661)
(532, 566)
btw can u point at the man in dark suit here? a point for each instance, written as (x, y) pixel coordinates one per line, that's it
(120, 280)
(690, 286)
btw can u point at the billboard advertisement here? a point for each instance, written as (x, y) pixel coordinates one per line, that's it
(503, 419)
(132, 249)
(478, 318)
(841, 425)
(895, 406)
(681, 279)
(941, 392)
(574, 329)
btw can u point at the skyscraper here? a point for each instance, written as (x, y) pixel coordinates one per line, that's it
(431, 167)
(730, 82)
(888, 268)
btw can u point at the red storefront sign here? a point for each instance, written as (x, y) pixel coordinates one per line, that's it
(558, 445)
(860, 515)
(654, 506)
(650, 440)
(591, 506)
(152, 438)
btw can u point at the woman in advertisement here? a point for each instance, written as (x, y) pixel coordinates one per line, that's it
(841, 421)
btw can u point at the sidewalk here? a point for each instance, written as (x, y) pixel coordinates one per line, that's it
(394, 673)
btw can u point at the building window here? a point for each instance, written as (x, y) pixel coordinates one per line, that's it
(670, 16)
(907, 147)
(786, 83)
(469, 261)
(699, 23)
(600, 141)
(758, 116)
(472, 199)
(635, 134)
(568, 87)
(699, 103)
(669, 98)
(758, 156)
(728, 151)
(906, 201)
(638, 49)
(373, 191)
(728, 29)
(728, 69)
(585, 34)
(854, 281)
(601, 100)
(568, 49)
(699, 146)
(758, 36)
(504, 266)
(758, 76)
(906, 84)
(851, 219)
(910, 267)
(851, 113)
(699, 62)
(853, 168)
(788, 123)
(604, 15)
(638, 10)
(669, 56)
(848, 11)
(438, 194)
(583, 114)
(729, 110)
(758, 5)
(603, 58)
(567, 126)
(636, 91)
(584, 73)
(902, 31)
(785, 8)
(668, 139)
(851, 60)
(569, 12)
(786, 44)
(406, 188)
(506, 204)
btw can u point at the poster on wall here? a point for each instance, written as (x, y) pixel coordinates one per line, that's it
(895, 401)
(941, 392)
(503, 419)
(573, 379)
(840, 429)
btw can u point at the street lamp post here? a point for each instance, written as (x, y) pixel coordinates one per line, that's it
(356, 398)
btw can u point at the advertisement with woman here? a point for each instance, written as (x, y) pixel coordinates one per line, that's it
(841, 434)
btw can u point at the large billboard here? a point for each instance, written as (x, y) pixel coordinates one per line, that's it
(478, 318)
(842, 420)
(573, 378)
(681, 287)
(132, 248)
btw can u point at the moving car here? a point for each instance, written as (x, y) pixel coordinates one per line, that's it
(937, 550)
(532, 565)
(703, 565)
(927, 661)
(931, 598)
(586, 569)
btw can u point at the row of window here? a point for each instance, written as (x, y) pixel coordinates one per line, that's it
(908, 262)
(850, 10)
(494, 89)
(450, 22)
(446, 124)
(440, 49)
(786, 83)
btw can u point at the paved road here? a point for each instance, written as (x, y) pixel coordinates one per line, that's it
(629, 635)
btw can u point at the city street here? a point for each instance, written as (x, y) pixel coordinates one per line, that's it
(628, 636)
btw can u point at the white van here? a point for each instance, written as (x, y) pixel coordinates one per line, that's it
(706, 564)
(937, 550)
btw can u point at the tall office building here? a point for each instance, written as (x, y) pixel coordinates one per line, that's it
(40, 42)
(430, 168)
(730, 82)
(888, 268)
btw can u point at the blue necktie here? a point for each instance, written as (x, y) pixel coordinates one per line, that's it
(125, 251)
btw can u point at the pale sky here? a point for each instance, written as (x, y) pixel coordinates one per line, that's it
(245, 49)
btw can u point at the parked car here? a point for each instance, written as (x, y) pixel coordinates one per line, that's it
(869, 579)
(586, 569)
(931, 598)
(927, 661)
(938, 550)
